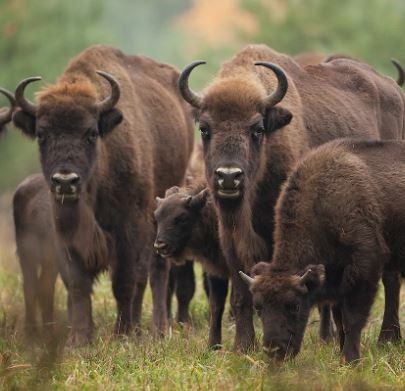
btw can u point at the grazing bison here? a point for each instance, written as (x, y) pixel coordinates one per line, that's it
(256, 120)
(108, 145)
(187, 228)
(339, 221)
(5, 114)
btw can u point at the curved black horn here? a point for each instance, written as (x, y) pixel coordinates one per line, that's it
(401, 72)
(278, 95)
(6, 116)
(188, 95)
(24, 103)
(109, 102)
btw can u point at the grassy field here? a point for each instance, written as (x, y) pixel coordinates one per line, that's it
(180, 361)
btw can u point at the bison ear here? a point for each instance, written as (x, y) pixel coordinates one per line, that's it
(276, 118)
(26, 122)
(260, 268)
(198, 201)
(172, 190)
(313, 276)
(109, 120)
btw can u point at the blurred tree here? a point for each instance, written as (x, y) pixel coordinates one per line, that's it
(371, 30)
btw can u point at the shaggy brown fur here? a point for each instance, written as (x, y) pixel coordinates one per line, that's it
(340, 98)
(341, 218)
(110, 224)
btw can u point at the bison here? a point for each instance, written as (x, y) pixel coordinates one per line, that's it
(113, 133)
(187, 228)
(339, 221)
(257, 118)
(5, 114)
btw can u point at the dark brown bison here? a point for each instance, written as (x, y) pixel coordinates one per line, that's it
(187, 228)
(257, 118)
(108, 145)
(6, 113)
(339, 221)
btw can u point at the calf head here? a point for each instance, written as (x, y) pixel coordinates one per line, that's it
(235, 118)
(5, 114)
(68, 123)
(283, 300)
(176, 216)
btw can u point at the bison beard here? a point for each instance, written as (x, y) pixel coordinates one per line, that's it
(104, 161)
(254, 131)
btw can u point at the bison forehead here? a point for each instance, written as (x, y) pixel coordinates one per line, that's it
(277, 288)
(229, 97)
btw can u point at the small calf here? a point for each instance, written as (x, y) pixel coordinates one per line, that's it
(187, 229)
(340, 220)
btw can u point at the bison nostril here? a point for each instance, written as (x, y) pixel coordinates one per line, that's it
(65, 183)
(159, 245)
(229, 177)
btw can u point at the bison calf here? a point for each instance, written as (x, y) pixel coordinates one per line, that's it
(340, 220)
(187, 229)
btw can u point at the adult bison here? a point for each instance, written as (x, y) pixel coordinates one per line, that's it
(339, 221)
(109, 143)
(6, 113)
(256, 120)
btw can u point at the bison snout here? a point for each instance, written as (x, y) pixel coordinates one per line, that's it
(229, 181)
(65, 186)
(160, 247)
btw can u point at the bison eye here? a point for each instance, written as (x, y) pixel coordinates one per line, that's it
(41, 137)
(293, 308)
(91, 137)
(257, 132)
(205, 131)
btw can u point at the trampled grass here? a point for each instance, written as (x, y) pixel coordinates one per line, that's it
(181, 360)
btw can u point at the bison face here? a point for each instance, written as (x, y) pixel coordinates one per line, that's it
(68, 122)
(283, 301)
(236, 118)
(176, 216)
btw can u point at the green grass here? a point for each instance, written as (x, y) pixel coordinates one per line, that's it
(179, 361)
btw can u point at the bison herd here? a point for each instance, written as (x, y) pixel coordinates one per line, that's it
(296, 195)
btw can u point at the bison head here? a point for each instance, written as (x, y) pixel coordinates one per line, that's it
(175, 216)
(236, 117)
(5, 114)
(283, 300)
(68, 122)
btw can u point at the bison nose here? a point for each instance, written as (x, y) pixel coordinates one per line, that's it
(65, 183)
(229, 178)
(159, 246)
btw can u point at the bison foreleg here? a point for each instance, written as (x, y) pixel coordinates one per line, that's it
(326, 328)
(390, 329)
(159, 276)
(218, 288)
(185, 289)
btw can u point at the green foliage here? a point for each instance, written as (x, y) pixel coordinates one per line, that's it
(371, 30)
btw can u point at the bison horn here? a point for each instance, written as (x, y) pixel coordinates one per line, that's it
(305, 277)
(109, 102)
(401, 72)
(24, 103)
(278, 95)
(249, 280)
(188, 95)
(6, 116)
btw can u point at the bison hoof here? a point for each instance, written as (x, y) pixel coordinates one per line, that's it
(390, 335)
(78, 338)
